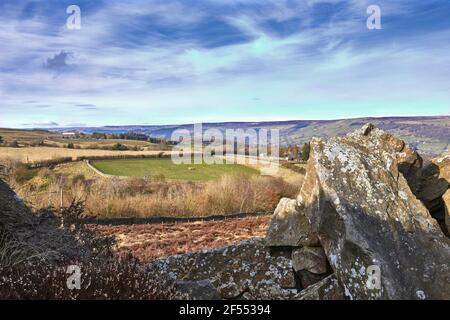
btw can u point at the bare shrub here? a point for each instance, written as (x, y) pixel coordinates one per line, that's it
(11, 250)
(78, 180)
(148, 242)
(154, 196)
(101, 279)
(149, 197)
(24, 275)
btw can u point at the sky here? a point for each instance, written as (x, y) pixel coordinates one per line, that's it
(172, 62)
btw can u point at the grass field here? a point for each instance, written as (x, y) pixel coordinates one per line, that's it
(166, 168)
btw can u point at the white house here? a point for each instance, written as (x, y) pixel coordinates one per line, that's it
(69, 134)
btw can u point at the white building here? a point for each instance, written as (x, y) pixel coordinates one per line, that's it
(69, 134)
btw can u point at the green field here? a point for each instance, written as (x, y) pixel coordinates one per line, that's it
(166, 168)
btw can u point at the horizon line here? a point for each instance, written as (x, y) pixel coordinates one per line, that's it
(228, 122)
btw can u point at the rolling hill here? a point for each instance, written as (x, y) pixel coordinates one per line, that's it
(429, 135)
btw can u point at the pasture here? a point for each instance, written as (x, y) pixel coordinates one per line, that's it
(169, 170)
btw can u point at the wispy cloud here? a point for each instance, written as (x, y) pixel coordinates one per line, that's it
(41, 124)
(87, 106)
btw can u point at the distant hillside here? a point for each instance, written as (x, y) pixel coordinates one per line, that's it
(429, 135)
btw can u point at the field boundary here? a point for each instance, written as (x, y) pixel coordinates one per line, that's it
(70, 159)
(104, 175)
(168, 170)
(169, 220)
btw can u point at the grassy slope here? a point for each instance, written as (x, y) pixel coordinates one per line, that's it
(428, 134)
(165, 167)
(26, 136)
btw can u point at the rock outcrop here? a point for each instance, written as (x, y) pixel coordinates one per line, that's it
(357, 199)
(290, 227)
(356, 215)
(246, 270)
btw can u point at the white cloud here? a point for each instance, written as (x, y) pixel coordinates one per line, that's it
(315, 64)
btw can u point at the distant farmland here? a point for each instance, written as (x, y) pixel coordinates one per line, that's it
(38, 154)
(429, 135)
(169, 170)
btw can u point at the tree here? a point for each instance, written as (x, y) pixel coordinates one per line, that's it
(305, 151)
(70, 145)
(1, 139)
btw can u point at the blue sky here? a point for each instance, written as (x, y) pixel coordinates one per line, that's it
(171, 61)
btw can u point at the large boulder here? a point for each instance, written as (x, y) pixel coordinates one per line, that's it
(246, 270)
(290, 227)
(367, 218)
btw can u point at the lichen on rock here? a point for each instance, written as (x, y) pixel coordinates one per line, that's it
(360, 204)
(244, 270)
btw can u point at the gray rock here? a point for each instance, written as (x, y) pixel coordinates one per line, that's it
(197, 290)
(310, 259)
(327, 289)
(245, 270)
(409, 162)
(290, 227)
(366, 216)
(307, 278)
